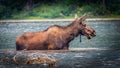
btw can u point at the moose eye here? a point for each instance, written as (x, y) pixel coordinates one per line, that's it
(88, 30)
(84, 25)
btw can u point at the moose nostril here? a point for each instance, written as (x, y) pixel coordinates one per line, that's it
(93, 34)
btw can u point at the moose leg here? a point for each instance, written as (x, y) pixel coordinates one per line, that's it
(65, 47)
(20, 47)
(51, 47)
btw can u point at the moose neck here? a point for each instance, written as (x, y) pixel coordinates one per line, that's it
(72, 30)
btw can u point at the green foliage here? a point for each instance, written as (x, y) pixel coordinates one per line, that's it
(95, 10)
(24, 9)
(2, 10)
(113, 6)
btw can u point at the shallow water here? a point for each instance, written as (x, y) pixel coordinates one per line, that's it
(73, 59)
(105, 55)
(108, 33)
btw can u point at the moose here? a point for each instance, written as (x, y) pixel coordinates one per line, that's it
(55, 37)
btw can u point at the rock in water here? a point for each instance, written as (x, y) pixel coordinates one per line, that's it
(34, 58)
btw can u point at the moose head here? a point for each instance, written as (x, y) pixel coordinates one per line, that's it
(84, 29)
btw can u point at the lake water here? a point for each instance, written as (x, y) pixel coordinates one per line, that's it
(108, 33)
(102, 51)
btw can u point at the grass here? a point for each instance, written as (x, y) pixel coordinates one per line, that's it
(109, 16)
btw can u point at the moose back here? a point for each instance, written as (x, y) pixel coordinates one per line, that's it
(55, 37)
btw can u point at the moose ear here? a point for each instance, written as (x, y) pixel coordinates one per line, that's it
(83, 17)
(76, 16)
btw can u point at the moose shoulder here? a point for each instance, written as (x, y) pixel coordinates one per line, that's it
(55, 37)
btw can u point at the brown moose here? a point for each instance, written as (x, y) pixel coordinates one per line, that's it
(55, 37)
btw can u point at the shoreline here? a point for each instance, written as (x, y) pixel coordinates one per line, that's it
(43, 20)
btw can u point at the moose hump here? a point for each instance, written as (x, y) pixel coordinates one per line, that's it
(55, 37)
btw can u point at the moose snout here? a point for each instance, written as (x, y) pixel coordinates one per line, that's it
(93, 34)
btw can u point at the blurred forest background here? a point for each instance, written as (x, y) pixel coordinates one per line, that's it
(42, 9)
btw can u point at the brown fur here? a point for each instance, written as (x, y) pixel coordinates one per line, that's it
(55, 37)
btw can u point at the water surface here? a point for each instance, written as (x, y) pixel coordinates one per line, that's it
(108, 33)
(102, 51)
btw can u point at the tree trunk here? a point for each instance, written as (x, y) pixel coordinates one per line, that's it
(29, 4)
(103, 3)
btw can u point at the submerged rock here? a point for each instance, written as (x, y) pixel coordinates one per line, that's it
(5, 59)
